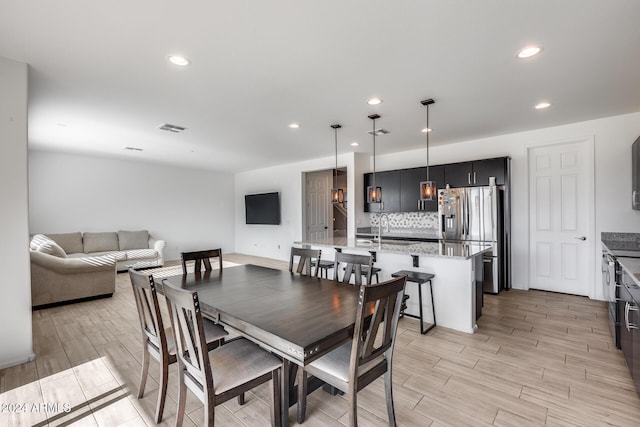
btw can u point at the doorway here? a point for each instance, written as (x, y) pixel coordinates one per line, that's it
(561, 217)
(323, 219)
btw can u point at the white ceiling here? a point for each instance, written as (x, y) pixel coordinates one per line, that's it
(100, 81)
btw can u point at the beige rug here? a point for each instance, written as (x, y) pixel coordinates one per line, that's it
(176, 270)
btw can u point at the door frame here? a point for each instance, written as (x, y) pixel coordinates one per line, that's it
(591, 225)
(304, 198)
(329, 174)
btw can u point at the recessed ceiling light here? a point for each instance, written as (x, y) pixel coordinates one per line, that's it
(529, 51)
(374, 101)
(179, 60)
(425, 130)
(542, 105)
(354, 144)
(294, 126)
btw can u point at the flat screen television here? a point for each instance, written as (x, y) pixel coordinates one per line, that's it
(262, 208)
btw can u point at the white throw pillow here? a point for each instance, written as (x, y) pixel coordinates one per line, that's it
(52, 248)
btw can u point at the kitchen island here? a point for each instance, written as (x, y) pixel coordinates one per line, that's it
(458, 269)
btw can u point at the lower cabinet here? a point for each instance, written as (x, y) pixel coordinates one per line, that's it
(629, 316)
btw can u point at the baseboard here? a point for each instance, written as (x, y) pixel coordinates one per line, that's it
(73, 301)
(20, 361)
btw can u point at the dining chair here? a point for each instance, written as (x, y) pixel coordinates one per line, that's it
(200, 258)
(356, 364)
(158, 341)
(307, 259)
(219, 375)
(354, 265)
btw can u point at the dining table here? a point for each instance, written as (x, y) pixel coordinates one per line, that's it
(300, 318)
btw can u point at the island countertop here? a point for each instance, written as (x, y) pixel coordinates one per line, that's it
(443, 249)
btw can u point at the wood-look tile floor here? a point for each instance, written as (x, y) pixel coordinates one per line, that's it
(538, 358)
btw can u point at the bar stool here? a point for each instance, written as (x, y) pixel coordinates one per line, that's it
(325, 266)
(374, 272)
(420, 279)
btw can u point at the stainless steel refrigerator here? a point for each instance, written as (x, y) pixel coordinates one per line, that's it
(477, 214)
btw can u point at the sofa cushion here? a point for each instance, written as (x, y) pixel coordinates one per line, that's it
(70, 242)
(100, 242)
(52, 248)
(118, 255)
(37, 240)
(141, 254)
(133, 239)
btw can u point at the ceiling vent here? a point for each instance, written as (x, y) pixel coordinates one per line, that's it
(133, 148)
(172, 128)
(379, 132)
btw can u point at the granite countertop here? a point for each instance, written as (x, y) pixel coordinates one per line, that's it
(460, 250)
(621, 244)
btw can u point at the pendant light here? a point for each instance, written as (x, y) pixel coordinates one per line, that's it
(374, 193)
(337, 195)
(428, 189)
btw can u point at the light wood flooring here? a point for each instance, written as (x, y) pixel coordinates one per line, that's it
(538, 358)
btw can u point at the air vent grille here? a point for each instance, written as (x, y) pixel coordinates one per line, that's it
(379, 131)
(172, 128)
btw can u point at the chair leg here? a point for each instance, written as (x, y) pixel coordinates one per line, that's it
(388, 389)
(182, 397)
(145, 371)
(276, 392)
(353, 406)
(162, 390)
(241, 399)
(302, 395)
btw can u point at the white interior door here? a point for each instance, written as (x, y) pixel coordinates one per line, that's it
(561, 205)
(318, 205)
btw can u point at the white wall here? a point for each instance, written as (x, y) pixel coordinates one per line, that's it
(613, 138)
(15, 286)
(274, 241)
(191, 209)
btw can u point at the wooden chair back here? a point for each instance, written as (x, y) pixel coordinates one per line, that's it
(353, 264)
(191, 345)
(200, 258)
(144, 292)
(382, 302)
(307, 259)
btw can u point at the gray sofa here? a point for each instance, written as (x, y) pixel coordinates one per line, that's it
(74, 266)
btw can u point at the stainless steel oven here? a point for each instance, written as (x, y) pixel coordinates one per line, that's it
(611, 292)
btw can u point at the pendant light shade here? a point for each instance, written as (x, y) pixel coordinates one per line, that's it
(374, 193)
(428, 189)
(337, 195)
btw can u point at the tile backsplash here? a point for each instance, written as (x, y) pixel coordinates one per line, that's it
(408, 220)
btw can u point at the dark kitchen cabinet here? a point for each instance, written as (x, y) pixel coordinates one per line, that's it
(410, 180)
(390, 183)
(476, 173)
(629, 316)
(635, 175)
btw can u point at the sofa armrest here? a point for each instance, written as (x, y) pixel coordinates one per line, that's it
(159, 246)
(73, 265)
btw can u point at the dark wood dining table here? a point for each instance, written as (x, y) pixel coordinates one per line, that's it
(300, 318)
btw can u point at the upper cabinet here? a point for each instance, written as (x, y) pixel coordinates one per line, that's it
(410, 180)
(390, 183)
(401, 188)
(476, 173)
(635, 175)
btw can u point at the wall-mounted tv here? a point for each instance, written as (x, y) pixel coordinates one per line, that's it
(262, 208)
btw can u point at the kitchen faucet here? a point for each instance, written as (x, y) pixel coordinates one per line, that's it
(386, 229)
